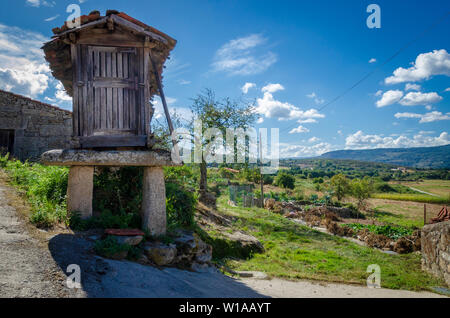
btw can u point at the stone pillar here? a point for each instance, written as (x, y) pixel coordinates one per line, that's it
(80, 190)
(153, 212)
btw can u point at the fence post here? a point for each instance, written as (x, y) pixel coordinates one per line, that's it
(424, 214)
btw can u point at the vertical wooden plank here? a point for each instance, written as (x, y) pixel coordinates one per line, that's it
(141, 98)
(126, 102)
(85, 90)
(120, 92)
(90, 90)
(75, 64)
(97, 109)
(103, 92)
(108, 92)
(114, 91)
(132, 92)
(146, 65)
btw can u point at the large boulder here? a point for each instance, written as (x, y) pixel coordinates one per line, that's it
(190, 249)
(249, 244)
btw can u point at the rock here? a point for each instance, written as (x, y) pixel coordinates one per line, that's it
(204, 252)
(269, 203)
(130, 240)
(159, 253)
(252, 274)
(246, 242)
(200, 267)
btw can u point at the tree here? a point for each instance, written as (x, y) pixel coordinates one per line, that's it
(340, 186)
(361, 190)
(285, 180)
(219, 114)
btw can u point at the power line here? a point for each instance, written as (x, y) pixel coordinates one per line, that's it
(420, 35)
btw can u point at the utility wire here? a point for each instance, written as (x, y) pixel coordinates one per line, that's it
(420, 35)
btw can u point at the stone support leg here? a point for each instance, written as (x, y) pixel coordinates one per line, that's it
(80, 190)
(154, 201)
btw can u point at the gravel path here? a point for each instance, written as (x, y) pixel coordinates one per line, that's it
(33, 266)
(27, 268)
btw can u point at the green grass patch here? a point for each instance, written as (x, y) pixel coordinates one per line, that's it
(424, 198)
(293, 251)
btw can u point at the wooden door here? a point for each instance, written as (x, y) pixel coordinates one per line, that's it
(112, 109)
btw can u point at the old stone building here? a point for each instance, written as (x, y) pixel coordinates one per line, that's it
(28, 128)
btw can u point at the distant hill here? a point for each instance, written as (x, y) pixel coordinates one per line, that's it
(423, 157)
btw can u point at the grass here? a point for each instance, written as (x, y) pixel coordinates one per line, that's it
(437, 187)
(424, 198)
(298, 252)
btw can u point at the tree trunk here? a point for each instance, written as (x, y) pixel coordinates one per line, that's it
(203, 176)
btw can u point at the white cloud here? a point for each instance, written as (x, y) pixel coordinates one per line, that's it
(412, 87)
(293, 151)
(23, 69)
(379, 93)
(316, 98)
(389, 98)
(272, 108)
(237, 57)
(52, 18)
(418, 98)
(425, 66)
(359, 140)
(372, 60)
(38, 3)
(184, 82)
(307, 121)
(447, 89)
(247, 86)
(425, 118)
(272, 88)
(300, 129)
(313, 139)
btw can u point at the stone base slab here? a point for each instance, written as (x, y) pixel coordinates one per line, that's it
(112, 158)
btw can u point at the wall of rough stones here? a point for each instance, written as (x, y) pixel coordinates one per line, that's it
(38, 126)
(435, 242)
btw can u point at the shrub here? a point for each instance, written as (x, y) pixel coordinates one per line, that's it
(285, 180)
(109, 247)
(180, 206)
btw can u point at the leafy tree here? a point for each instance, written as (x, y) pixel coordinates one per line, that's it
(340, 186)
(285, 180)
(219, 114)
(361, 190)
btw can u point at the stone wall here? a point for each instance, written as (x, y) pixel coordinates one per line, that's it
(436, 249)
(37, 126)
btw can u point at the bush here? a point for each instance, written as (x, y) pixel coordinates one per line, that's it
(268, 179)
(180, 205)
(285, 180)
(109, 247)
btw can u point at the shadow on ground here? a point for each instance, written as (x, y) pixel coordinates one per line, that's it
(109, 278)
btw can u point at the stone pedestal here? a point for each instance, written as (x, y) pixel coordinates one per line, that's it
(79, 190)
(154, 201)
(80, 187)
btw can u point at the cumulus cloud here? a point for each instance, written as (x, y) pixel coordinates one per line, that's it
(425, 66)
(372, 60)
(23, 69)
(425, 118)
(247, 86)
(272, 88)
(313, 139)
(240, 56)
(389, 98)
(300, 129)
(316, 98)
(447, 89)
(294, 151)
(38, 3)
(273, 108)
(418, 98)
(359, 140)
(412, 87)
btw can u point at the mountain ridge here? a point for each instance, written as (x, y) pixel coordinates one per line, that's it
(437, 157)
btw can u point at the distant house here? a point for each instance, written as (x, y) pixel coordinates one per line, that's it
(29, 127)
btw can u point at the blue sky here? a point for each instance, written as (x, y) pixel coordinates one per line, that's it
(290, 57)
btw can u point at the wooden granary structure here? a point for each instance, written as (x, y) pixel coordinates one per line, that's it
(111, 66)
